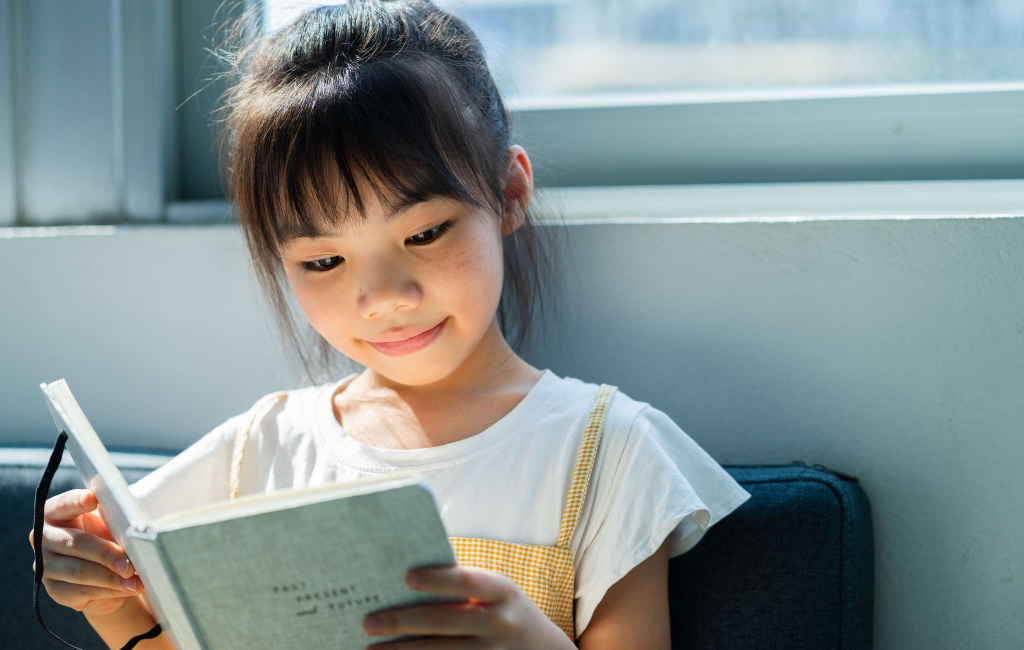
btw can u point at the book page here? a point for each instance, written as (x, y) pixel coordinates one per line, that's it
(251, 504)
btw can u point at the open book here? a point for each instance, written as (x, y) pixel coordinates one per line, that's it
(292, 569)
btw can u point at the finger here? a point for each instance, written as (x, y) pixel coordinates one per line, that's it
(74, 570)
(77, 543)
(68, 505)
(461, 619)
(77, 596)
(92, 522)
(456, 580)
(436, 643)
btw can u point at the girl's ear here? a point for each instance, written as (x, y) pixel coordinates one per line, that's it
(518, 189)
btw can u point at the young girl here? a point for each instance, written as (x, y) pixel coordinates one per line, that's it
(372, 163)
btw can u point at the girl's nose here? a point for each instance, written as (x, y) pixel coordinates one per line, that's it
(385, 291)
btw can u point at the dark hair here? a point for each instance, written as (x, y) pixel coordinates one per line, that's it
(396, 94)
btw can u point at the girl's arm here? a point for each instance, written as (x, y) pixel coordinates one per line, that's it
(129, 620)
(634, 611)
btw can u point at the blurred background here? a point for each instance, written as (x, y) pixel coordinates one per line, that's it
(796, 227)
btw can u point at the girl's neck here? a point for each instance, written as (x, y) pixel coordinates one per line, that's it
(491, 382)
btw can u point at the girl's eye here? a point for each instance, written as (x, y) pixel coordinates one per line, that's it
(432, 235)
(419, 239)
(322, 264)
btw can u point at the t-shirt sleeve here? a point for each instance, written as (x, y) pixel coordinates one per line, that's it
(663, 485)
(196, 477)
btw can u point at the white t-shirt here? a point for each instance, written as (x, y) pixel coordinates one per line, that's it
(650, 480)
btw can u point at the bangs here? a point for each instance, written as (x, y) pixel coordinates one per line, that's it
(399, 128)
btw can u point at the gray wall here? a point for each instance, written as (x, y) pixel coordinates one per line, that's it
(889, 349)
(892, 350)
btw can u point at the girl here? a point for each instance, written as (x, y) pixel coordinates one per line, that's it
(375, 174)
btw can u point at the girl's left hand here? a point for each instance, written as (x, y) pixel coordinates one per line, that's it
(499, 615)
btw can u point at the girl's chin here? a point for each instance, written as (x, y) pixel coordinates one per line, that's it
(409, 376)
(421, 368)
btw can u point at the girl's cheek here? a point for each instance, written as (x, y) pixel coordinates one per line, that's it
(315, 301)
(476, 265)
(466, 288)
(306, 298)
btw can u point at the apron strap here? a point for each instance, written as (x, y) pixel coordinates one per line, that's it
(242, 437)
(584, 464)
(42, 492)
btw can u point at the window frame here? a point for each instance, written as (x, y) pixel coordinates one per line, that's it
(892, 132)
(8, 133)
(923, 132)
(831, 134)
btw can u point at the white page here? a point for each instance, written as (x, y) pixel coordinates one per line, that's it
(119, 507)
(254, 504)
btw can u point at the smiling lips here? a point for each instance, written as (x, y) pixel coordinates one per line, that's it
(411, 344)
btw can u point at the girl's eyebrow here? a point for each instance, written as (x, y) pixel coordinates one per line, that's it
(292, 234)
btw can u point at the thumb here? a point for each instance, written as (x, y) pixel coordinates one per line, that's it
(68, 505)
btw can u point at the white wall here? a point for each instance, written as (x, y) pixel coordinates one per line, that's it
(891, 349)
(157, 330)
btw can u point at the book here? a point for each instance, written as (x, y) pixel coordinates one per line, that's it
(296, 568)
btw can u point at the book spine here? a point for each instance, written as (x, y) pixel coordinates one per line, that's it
(162, 593)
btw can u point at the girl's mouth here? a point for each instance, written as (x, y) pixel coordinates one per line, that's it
(411, 344)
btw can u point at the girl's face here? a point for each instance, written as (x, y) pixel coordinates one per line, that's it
(436, 264)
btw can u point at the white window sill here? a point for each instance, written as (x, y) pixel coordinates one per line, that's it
(790, 201)
(721, 203)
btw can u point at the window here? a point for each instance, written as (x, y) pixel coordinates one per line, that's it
(625, 92)
(602, 92)
(542, 49)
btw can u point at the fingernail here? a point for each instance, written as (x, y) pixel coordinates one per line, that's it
(372, 623)
(129, 584)
(121, 566)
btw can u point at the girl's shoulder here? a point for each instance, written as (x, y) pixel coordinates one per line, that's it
(286, 410)
(641, 440)
(278, 419)
(200, 474)
(283, 403)
(636, 431)
(578, 397)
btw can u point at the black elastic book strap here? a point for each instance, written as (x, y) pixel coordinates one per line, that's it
(42, 492)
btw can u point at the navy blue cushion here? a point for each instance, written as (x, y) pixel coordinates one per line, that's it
(791, 568)
(21, 468)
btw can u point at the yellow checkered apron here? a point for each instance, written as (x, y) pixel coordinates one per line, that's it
(544, 573)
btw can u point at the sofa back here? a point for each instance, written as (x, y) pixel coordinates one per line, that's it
(793, 567)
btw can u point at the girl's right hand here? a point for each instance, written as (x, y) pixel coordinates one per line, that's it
(83, 567)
